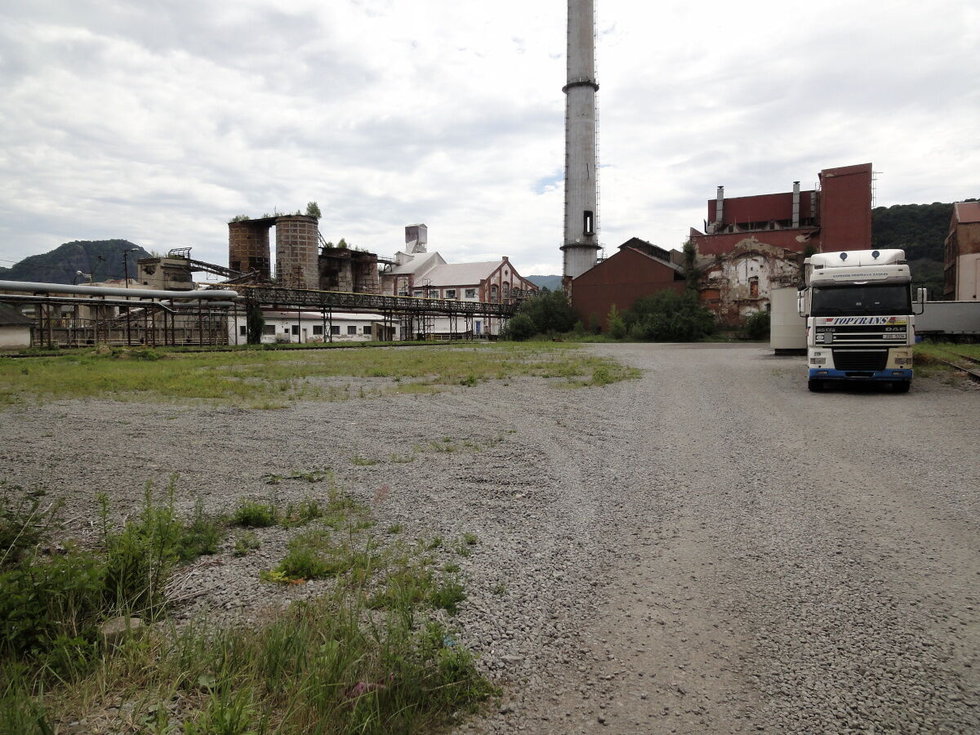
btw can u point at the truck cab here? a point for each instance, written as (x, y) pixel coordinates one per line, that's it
(859, 320)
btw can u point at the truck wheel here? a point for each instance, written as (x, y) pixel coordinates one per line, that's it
(902, 386)
(815, 386)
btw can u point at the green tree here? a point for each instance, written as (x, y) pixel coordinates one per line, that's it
(550, 312)
(254, 323)
(313, 210)
(668, 316)
(692, 274)
(520, 328)
(617, 327)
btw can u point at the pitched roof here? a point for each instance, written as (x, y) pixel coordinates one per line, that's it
(966, 212)
(10, 317)
(461, 274)
(419, 262)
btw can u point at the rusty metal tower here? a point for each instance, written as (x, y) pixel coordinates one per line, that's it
(580, 245)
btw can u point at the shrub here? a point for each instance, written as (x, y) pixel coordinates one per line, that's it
(548, 313)
(519, 328)
(757, 325)
(617, 327)
(668, 316)
(253, 514)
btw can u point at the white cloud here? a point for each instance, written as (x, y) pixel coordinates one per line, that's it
(159, 122)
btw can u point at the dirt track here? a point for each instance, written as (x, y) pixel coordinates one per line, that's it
(709, 549)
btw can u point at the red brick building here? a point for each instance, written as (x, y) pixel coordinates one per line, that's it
(637, 269)
(756, 243)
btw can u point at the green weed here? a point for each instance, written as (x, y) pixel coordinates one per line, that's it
(253, 514)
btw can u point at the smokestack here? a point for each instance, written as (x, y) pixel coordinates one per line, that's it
(720, 208)
(581, 245)
(796, 204)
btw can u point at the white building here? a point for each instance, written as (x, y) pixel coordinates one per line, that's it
(15, 328)
(421, 274)
(315, 326)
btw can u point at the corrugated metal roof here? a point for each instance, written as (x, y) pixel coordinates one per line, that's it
(460, 274)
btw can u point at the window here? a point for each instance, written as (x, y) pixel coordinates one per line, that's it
(477, 326)
(433, 293)
(294, 329)
(588, 222)
(243, 331)
(367, 329)
(417, 293)
(351, 329)
(450, 293)
(318, 330)
(335, 329)
(470, 293)
(269, 329)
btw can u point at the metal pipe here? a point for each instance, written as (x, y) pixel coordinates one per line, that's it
(146, 293)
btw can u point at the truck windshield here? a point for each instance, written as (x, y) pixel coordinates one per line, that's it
(878, 299)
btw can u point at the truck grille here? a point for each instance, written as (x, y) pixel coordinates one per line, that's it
(860, 359)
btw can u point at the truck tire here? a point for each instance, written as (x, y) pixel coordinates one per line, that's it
(901, 386)
(815, 386)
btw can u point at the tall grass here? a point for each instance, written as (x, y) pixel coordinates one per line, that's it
(371, 655)
(270, 379)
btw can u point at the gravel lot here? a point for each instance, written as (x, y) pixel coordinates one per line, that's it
(708, 549)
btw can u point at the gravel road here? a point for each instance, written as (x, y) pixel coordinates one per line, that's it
(708, 549)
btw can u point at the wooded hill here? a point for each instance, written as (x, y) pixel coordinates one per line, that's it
(100, 259)
(919, 230)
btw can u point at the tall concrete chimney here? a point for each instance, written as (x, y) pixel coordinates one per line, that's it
(796, 204)
(581, 244)
(720, 209)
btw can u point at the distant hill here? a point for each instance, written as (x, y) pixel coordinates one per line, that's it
(102, 259)
(919, 230)
(552, 283)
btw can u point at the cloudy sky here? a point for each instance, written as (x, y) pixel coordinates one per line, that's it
(158, 121)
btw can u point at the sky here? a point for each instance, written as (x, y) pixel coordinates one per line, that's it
(158, 122)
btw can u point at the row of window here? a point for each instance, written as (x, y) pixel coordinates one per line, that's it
(270, 330)
(433, 293)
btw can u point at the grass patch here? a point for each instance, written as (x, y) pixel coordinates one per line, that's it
(369, 656)
(253, 514)
(929, 356)
(268, 379)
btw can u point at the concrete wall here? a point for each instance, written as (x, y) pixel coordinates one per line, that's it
(739, 283)
(15, 337)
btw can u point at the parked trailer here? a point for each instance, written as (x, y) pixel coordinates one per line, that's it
(956, 321)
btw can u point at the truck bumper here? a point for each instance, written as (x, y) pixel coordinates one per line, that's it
(890, 374)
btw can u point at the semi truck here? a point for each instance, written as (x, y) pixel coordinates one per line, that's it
(859, 319)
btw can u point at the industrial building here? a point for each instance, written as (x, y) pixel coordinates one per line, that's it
(752, 245)
(418, 273)
(285, 327)
(961, 259)
(637, 269)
